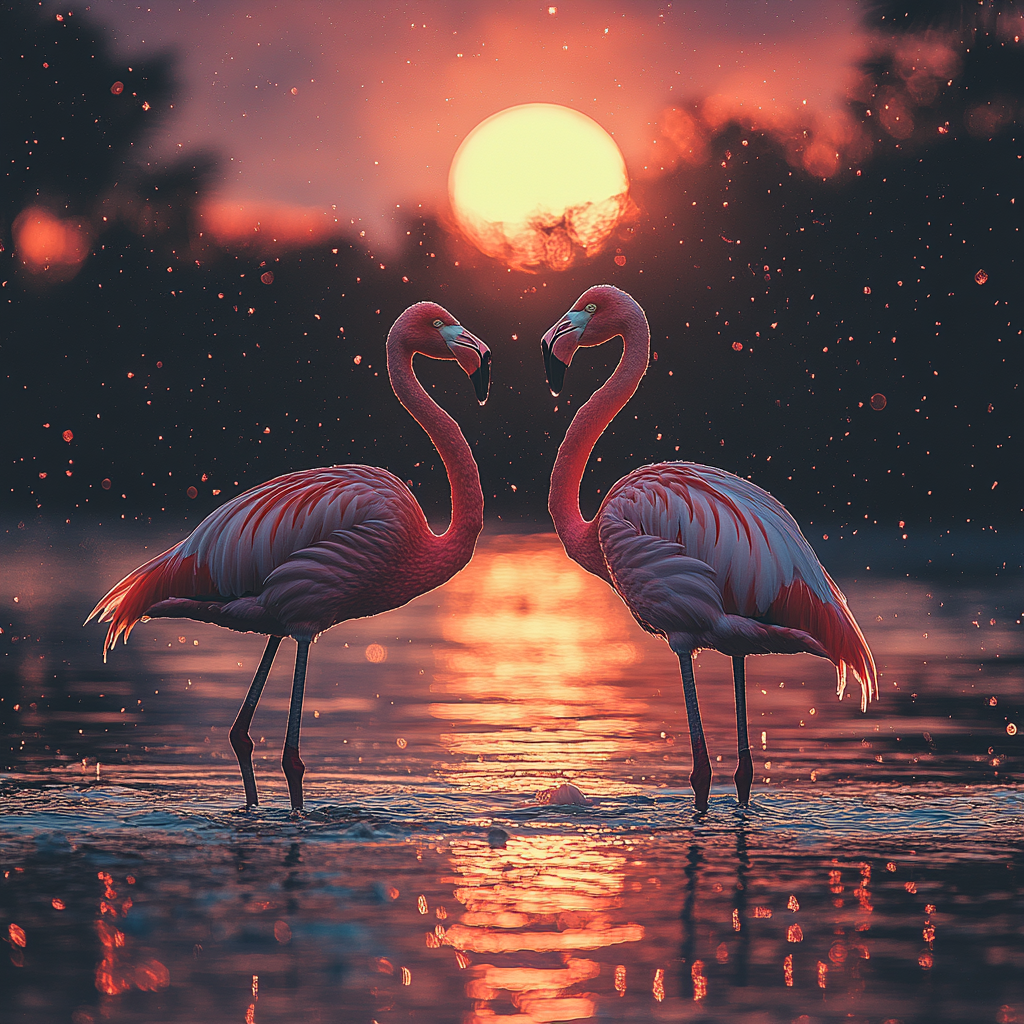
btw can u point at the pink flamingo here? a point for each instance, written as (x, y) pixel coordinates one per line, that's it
(303, 552)
(701, 557)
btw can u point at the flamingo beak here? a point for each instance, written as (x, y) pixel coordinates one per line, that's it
(482, 378)
(574, 323)
(554, 369)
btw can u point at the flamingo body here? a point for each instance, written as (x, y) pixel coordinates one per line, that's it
(305, 551)
(290, 557)
(710, 560)
(700, 556)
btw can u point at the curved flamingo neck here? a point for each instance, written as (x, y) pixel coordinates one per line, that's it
(578, 535)
(453, 548)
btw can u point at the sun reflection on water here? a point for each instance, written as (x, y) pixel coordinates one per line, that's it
(535, 646)
(535, 905)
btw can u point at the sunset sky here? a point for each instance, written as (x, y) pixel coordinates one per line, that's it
(222, 207)
(354, 111)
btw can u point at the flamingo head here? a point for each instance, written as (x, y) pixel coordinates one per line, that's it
(598, 315)
(432, 331)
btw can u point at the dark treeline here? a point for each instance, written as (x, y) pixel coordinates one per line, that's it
(175, 366)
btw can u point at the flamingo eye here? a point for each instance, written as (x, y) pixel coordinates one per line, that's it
(439, 323)
(591, 307)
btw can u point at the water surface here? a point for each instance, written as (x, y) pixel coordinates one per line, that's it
(877, 875)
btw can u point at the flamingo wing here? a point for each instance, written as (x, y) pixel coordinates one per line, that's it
(764, 569)
(339, 522)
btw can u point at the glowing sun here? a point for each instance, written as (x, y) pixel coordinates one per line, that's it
(536, 185)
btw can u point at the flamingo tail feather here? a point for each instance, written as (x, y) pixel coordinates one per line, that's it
(167, 575)
(833, 625)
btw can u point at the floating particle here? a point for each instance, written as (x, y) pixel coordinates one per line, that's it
(620, 260)
(793, 904)
(105, 483)
(462, 960)
(925, 961)
(658, 988)
(421, 904)
(68, 436)
(837, 952)
(700, 983)
(911, 887)
(282, 932)
(878, 401)
(401, 743)
(267, 277)
(620, 979)
(722, 953)
(787, 968)
(1011, 729)
(376, 654)
(117, 88)
(406, 976)
(737, 346)
(16, 935)
(763, 912)
(981, 276)
(794, 933)
(822, 974)
(357, 360)
(192, 492)
(867, 290)
(57, 904)
(890, 867)
(736, 920)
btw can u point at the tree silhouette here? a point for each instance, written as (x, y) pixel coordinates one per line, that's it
(72, 119)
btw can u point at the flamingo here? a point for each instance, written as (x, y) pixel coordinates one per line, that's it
(305, 551)
(701, 557)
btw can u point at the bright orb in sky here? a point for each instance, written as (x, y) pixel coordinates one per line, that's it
(537, 184)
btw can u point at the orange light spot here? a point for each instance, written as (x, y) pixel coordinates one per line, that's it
(282, 932)
(658, 988)
(375, 654)
(822, 974)
(68, 436)
(267, 277)
(794, 933)
(787, 970)
(620, 979)
(421, 904)
(793, 904)
(57, 904)
(16, 934)
(44, 241)
(700, 983)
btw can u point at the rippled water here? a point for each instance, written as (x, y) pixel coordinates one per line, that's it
(877, 875)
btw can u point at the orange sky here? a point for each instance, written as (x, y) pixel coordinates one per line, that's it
(324, 112)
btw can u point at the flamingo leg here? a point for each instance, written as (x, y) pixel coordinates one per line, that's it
(241, 741)
(700, 776)
(292, 764)
(744, 766)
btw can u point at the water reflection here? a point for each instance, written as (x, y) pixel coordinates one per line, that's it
(550, 897)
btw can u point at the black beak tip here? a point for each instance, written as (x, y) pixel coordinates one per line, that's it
(556, 373)
(482, 379)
